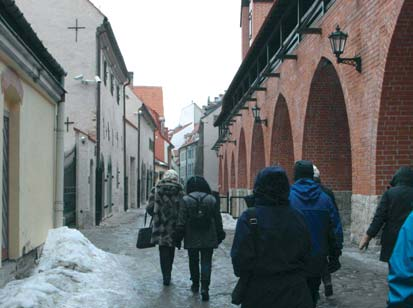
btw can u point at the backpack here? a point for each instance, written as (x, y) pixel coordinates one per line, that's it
(200, 217)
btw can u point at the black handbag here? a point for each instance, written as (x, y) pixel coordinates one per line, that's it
(144, 236)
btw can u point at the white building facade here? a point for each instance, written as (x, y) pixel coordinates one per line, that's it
(81, 38)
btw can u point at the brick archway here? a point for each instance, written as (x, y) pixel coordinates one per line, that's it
(221, 175)
(326, 139)
(394, 146)
(257, 153)
(242, 162)
(225, 174)
(282, 147)
(232, 172)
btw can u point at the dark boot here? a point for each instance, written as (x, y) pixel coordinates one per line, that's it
(205, 291)
(195, 287)
(166, 280)
(328, 290)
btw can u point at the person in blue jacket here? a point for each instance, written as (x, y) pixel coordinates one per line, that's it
(401, 268)
(323, 222)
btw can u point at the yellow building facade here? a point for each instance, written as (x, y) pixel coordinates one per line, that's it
(31, 122)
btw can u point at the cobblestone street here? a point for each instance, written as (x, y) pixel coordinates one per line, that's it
(360, 283)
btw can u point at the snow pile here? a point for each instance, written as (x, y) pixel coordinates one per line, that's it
(72, 273)
(228, 221)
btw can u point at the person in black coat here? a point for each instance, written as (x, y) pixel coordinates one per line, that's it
(200, 225)
(272, 259)
(395, 206)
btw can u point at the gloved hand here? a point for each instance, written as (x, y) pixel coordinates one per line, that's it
(333, 264)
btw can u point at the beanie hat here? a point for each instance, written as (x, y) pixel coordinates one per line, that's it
(303, 169)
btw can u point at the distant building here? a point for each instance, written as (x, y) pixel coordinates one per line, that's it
(153, 98)
(188, 155)
(31, 142)
(140, 136)
(207, 159)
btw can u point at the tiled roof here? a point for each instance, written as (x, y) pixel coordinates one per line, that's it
(152, 97)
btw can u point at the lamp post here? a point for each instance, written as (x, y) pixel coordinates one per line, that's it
(139, 157)
(256, 111)
(338, 40)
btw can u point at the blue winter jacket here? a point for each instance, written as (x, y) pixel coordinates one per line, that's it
(401, 268)
(322, 219)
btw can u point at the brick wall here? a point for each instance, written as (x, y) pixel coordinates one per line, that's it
(395, 129)
(349, 145)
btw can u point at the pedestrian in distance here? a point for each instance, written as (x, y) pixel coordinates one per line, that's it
(271, 246)
(200, 225)
(326, 278)
(394, 207)
(401, 268)
(164, 202)
(323, 222)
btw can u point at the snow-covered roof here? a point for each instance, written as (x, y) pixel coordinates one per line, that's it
(178, 139)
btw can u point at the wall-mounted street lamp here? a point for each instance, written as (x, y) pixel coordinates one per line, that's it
(256, 111)
(338, 41)
(229, 140)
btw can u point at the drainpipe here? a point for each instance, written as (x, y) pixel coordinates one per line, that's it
(60, 156)
(139, 158)
(125, 178)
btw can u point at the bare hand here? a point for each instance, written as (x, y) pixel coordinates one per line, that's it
(364, 243)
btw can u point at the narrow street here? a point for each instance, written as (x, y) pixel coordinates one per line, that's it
(360, 283)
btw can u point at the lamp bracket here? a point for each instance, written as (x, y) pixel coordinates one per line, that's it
(356, 62)
(259, 121)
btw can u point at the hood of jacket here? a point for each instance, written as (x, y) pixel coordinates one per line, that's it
(307, 190)
(403, 176)
(168, 187)
(271, 187)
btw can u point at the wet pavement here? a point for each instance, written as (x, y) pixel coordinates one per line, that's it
(360, 283)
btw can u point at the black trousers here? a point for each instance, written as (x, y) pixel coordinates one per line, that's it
(166, 257)
(206, 265)
(314, 285)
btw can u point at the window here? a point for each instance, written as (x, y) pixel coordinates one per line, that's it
(151, 145)
(182, 156)
(112, 84)
(105, 72)
(117, 94)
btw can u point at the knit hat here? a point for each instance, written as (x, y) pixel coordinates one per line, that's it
(171, 175)
(303, 169)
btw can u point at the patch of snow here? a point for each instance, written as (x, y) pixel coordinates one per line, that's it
(72, 273)
(228, 221)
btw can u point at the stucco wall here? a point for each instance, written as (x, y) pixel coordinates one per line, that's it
(31, 168)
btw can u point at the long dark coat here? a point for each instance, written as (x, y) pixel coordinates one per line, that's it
(164, 203)
(197, 238)
(276, 257)
(395, 205)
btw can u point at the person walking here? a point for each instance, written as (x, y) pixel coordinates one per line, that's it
(200, 225)
(271, 245)
(401, 268)
(164, 202)
(323, 221)
(394, 207)
(326, 278)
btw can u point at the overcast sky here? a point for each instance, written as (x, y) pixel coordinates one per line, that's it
(192, 48)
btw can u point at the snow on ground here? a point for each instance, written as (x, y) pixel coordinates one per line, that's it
(72, 273)
(228, 221)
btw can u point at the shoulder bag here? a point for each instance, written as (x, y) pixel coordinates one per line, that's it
(144, 235)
